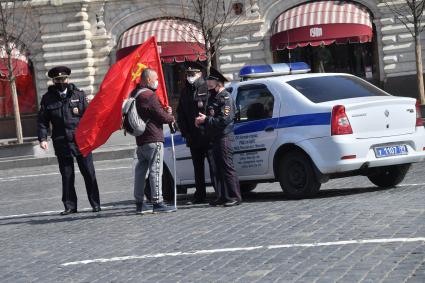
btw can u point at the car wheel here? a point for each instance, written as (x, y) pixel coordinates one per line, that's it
(296, 175)
(389, 176)
(167, 186)
(247, 187)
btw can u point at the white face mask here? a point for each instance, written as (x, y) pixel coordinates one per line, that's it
(154, 86)
(191, 80)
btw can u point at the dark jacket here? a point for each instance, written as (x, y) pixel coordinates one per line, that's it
(150, 110)
(193, 100)
(220, 115)
(64, 114)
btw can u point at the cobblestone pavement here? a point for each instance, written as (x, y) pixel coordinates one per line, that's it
(266, 239)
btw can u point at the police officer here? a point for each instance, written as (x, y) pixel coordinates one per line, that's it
(193, 101)
(63, 106)
(218, 123)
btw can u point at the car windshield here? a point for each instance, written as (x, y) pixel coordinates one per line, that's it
(328, 88)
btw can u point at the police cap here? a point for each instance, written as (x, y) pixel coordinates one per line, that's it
(193, 67)
(216, 76)
(59, 71)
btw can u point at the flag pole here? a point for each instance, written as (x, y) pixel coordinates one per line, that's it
(173, 151)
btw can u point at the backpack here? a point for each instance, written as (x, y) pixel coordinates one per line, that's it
(132, 123)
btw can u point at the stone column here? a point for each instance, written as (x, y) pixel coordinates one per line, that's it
(66, 40)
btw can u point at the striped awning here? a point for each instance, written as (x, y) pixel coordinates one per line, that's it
(178, 40)
(321, 22)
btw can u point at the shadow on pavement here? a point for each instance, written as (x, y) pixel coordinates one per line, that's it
(127, 208)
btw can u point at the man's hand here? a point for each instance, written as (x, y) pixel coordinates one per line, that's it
(200, 120)
(44, 145)
(169, 110)
(89, 98)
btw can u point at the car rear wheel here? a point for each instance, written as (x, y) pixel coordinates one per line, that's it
(247, 187)
(389, 176)
(296, 175)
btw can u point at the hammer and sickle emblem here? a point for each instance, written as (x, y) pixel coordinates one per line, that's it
(140, 68)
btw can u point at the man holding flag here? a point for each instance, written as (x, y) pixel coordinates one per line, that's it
(104, 114)
(150, 145)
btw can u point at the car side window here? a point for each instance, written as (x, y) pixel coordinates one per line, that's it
(254, 102)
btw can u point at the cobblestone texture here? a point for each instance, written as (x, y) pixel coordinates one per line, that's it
(33, 247)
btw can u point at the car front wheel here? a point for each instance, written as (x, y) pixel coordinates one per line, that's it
(296, 175)
(389, 176)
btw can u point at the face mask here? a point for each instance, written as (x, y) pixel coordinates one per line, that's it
(61, 86)
(191, 80)
(212, 91)
(154, 86)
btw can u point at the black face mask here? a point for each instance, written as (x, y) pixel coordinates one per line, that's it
(61, 86)
(213, 92)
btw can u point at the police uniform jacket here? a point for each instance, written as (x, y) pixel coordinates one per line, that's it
(193, 100)
(64, 113)
(220, 115)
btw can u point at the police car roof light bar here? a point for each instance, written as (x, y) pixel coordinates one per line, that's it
(262, 71)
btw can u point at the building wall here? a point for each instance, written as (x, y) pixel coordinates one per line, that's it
(83, 34)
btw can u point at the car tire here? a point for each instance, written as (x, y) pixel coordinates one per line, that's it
(296, 175)
(247, 187)
(389, 176)
(167, 186)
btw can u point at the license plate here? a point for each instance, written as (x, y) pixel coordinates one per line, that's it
(393, 150)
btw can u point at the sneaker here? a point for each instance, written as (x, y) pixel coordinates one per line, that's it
(162, 208)
(144, 208)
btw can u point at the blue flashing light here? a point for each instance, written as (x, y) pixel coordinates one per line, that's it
(261, 71)
(251, 71)
(299, 68)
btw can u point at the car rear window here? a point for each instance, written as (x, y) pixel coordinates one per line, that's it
(322, 89)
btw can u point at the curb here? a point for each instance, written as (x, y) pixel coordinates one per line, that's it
(51, 160)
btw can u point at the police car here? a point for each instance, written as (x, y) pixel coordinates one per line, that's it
(302, 129)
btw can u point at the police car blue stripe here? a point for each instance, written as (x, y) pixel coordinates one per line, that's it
(312, 119)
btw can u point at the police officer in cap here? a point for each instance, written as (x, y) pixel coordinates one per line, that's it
(218, 123)
(193, 101)
(63, 106)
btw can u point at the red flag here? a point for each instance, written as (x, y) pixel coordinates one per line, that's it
(103, 116)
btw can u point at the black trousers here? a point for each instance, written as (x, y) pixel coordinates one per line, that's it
(226, 178)
(86, 166)
(198, 158)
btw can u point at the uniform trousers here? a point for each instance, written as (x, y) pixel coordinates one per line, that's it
(86, 166)
(226, 178)
(198, 158)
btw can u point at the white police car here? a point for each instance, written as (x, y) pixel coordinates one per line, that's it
(304, 129)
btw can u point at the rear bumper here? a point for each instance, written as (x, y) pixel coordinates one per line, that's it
(332, 149)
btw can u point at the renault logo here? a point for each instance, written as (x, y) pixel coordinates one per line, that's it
(387, 113)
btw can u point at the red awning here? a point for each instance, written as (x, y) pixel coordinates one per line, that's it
(323, 22)
(19, 62)
(178, 40)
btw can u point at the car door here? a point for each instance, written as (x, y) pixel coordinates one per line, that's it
(255, 128)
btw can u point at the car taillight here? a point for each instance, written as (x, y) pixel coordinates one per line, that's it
(340, 125)
(419, 121)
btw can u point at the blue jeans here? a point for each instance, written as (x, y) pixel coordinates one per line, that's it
(148, 163)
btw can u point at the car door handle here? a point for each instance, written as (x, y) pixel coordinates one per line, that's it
(269, 129)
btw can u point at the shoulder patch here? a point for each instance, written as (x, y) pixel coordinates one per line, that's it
(226, 110)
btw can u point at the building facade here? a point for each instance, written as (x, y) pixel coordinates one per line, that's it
(88, 36)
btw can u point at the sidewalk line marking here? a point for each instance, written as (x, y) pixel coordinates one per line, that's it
(13, 178)
(46, 212)
(270, 247)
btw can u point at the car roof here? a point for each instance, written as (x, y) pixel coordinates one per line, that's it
(287, 78)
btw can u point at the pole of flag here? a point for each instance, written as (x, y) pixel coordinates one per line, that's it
(173, 153)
